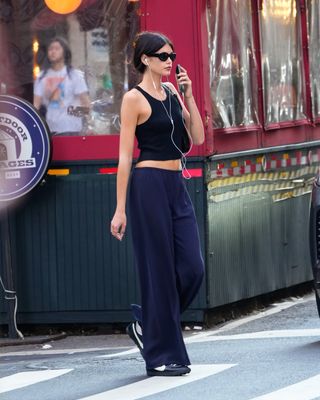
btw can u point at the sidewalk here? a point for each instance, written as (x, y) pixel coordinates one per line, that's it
(41, 339)
(64, 343)
(79, 336)
(70, 341)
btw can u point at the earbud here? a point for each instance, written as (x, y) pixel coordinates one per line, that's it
(146, 61)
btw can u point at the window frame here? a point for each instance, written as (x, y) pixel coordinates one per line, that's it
(247, 128)
(256, 7)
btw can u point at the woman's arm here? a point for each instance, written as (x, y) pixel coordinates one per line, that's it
(191, 114)
(37, 101)
(194, 125)
(129, 117)
(85, 100)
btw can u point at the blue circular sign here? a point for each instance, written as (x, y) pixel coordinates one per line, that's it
(25, 147)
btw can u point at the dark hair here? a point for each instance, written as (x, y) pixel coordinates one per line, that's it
(148, 43)
(66, 49)
(67, 56)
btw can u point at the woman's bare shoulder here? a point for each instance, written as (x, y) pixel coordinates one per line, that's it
(132, 95)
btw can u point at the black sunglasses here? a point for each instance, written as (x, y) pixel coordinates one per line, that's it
(164, 56)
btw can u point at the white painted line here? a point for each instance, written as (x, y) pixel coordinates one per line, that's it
(288, 333)
(23, 379)
(308, 389)
(60, 351)
(277, 307)
(122, 353)
(196, 338)
(150, 386)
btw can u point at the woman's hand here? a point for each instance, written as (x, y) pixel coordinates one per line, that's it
(118, 225)
(183, 79)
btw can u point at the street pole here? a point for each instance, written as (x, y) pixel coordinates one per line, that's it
(8, 284)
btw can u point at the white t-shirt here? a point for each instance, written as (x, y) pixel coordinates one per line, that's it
(58, 91)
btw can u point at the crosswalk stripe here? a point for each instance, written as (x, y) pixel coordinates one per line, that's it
(42, 352)
(122, 353)
(308, 389)
(23, 379)
(276, 308)
(289, 333)
(150, 386)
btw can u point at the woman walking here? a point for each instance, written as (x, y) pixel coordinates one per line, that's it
(164, 229)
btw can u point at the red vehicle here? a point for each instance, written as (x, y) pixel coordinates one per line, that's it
(255, 72)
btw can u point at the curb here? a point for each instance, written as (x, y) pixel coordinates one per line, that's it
(31, 340)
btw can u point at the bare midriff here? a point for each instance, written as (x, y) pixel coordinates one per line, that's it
(174, 165)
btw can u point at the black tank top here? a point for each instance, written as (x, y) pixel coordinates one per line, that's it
(154, 135)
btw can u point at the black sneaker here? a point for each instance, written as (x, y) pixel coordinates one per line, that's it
(169, 370)
(132, 331)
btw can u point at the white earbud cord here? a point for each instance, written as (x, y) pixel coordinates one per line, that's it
(185, 173)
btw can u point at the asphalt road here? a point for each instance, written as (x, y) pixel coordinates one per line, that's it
(268, 355)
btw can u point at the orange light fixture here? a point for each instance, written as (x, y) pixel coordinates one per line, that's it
(63, 7)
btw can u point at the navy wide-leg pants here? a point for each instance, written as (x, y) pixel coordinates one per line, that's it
(168, 258)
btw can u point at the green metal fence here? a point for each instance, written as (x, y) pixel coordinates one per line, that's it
(67, 266)
(69, 269)
(257, 241)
